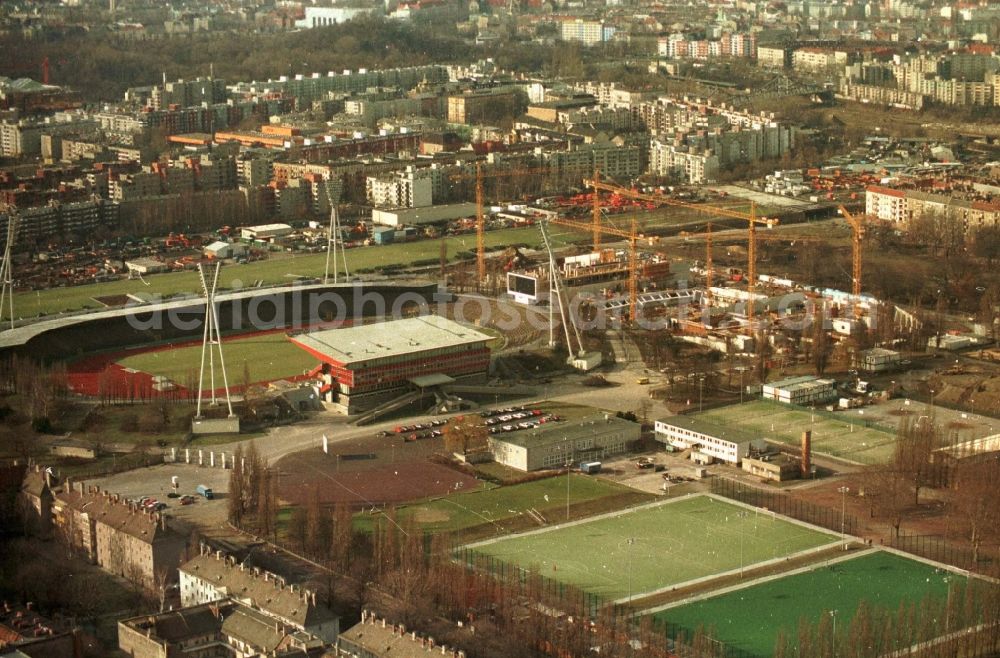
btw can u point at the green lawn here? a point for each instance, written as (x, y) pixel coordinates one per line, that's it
(830, 435)
(671, 543)
(277, 269)
(268, 357)
(750, 618)
(500, 504)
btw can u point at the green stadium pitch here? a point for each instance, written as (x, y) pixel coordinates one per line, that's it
(266, 356)
(655, 547)
(748, 619)
(837, 435)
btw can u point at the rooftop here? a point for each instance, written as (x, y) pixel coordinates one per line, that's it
(799, 383)
(556, 432)
(388, 339)
(380, 638)
(717, 430)
(263, 590)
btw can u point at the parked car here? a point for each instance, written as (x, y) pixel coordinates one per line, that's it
(645, 462)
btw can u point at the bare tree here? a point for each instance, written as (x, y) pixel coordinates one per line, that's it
(974, 501)
(465, 433)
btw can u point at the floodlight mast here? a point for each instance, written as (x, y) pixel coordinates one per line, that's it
(7, 269)
(211, 342)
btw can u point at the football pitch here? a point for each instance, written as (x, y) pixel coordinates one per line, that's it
(268, 357)
(654, 547)
(830, 435)
(750, 618)
(498, 505)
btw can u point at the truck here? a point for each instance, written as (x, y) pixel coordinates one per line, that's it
(590, 467)
(205, 491)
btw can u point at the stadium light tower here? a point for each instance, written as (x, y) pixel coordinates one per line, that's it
(843, 513)
(211, 339)
(7, 268)
(333, 238)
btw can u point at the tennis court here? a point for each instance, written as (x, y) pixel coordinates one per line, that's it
(749, 619)
(836, 434)
(655, 546)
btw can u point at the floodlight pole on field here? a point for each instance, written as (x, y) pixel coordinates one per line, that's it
(211, 338)
(630, 541)
(7, 268)
(833, 636)
(843, 514)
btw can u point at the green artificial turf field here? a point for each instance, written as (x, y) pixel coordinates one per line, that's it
(830, 435)
(268, 356)
(671, 543)
(750, 618)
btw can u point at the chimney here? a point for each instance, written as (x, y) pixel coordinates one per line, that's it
(806, 453)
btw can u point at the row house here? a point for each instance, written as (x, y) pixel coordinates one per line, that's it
(117, 535)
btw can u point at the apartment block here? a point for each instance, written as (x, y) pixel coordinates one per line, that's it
(118, 536)
(412, 188)
(587, 32)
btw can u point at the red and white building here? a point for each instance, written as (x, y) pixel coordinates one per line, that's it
(366, 365)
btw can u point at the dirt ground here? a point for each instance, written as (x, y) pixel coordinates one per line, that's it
(368, 471)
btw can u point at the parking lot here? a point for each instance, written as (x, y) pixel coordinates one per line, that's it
(156, 482)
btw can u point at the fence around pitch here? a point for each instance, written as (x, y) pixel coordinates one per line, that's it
(784, 504)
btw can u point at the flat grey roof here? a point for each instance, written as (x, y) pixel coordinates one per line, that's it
(388, 339)
(549, 433)
(717, 430)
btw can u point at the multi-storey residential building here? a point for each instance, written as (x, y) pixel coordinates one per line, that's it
(904, 206)
(118, 536)
(817, 59)
(55, 219)
(774, 56)
(691, 166)
(24, 138)
(412, 188)
(377, 638)
(186, 93)
(579, 161)
(326, 16)
(35, 501)
(308, 88)
(483, 105)
(678, 46)
(221, 628)
(586, 32)
(212, 577)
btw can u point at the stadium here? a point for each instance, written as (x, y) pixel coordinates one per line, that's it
(141, 342)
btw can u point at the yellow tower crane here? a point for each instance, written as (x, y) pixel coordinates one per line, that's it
(751, 218)
(857, 234)
(633, 256)
(479, 177)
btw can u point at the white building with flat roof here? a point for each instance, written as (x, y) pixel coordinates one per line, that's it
(720, 442)
(804, 390)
